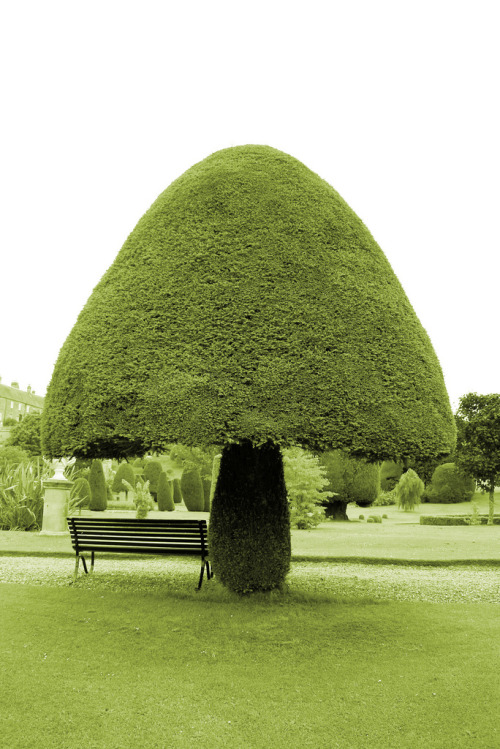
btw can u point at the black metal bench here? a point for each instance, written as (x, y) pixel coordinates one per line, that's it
(133, 536)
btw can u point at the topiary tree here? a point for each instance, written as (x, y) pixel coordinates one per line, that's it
(449, 485)
(176, 490)
(192, 489)
(350, 480)
(409, 490)
(151, 473)
(98, 487)
(478, 447)
(250, 309)
(124, 472)
(164, 494)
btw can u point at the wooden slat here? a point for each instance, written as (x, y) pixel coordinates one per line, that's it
(139, 536)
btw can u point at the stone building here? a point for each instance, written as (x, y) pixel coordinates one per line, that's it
(16, 403)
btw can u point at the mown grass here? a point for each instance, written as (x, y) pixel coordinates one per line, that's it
(79, 668)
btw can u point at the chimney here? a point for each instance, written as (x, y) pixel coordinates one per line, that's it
(14, 385)
(28, 389)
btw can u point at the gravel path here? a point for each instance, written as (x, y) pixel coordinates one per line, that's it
(348, 581)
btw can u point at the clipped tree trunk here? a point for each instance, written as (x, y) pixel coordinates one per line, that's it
(249, 532)
(491, 508)
(335, 509)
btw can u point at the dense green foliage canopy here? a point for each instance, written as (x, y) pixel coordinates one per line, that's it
(249, 303)
(26, 434)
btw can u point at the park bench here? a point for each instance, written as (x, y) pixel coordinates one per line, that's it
(134, 536)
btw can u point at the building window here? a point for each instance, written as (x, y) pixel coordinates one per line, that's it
(27, 409)
(12, 404)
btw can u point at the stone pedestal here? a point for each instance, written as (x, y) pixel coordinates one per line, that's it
(55, 507)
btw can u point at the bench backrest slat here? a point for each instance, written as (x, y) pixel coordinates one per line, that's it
(151, 535)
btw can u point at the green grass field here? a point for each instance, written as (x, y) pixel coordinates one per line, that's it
(121, 670)
(92, 666)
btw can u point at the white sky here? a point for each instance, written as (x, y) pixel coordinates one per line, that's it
(393, 103)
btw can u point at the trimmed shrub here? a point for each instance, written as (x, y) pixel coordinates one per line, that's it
(151, 473)
(124, 471)
(376, 518)
(98, 487)
(456, 520)
(164, 495)
(449, 485)
(409, 490)
(79, 495)
(390, 473)
(207, 487)
(361, 517)
(192, 489)
(176, 487)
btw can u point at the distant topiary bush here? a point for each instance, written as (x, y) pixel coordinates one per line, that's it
(192, 489)
(207, 486)
(165, 495)
(450, 485)
(98, 488)
(79, 496)
(124, 471)
(151, 473)
(375, 518)
(176, 486)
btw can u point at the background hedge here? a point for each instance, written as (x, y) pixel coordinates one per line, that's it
(455, 519)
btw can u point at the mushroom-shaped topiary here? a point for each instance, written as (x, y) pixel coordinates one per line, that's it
(249, 308)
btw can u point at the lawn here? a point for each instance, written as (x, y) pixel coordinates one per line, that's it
(162, 666)
(400, 537)
(129, 670)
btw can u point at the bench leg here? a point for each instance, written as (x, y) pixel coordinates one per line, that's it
(210, 574)
(201, 575)
(85, 565)
(92, 562)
